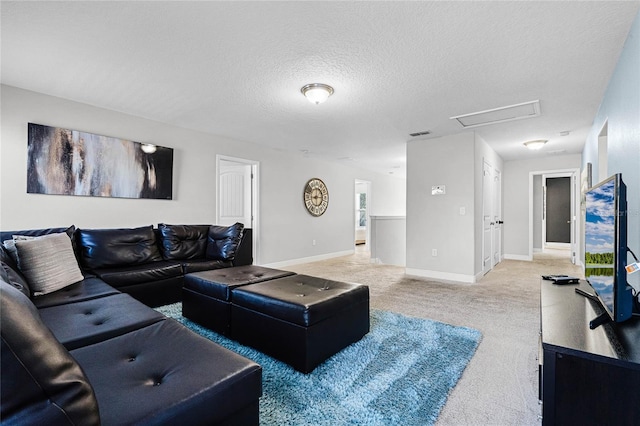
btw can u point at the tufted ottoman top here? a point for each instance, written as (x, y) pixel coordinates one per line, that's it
(300, 299)
(218, 283)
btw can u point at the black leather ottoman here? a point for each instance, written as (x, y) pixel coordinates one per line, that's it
(300, 320)
(206, 295)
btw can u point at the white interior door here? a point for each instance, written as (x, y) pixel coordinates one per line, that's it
(238, 195)
(487, 218)
(235, 193)
(497, 218)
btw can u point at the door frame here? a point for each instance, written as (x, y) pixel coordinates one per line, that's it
(545, 243)
(576, 219)
(255, 198)
(367, 185)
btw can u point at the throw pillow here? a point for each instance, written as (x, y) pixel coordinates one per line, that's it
(223, 241)
(48, 263)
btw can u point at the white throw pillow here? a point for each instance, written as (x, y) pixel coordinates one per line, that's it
(48, 263)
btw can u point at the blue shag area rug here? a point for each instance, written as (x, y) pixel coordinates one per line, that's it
(399, 374)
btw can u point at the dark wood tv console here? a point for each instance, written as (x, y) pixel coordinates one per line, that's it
(587, 377)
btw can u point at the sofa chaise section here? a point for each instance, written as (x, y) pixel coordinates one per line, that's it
(160, 373)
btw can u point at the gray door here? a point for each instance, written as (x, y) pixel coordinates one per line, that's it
(558, 210)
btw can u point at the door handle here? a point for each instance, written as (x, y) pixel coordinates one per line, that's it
(500, 222)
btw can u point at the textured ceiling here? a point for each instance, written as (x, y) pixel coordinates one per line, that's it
(236, 68)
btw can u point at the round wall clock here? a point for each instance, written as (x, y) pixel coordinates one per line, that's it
(316, 197)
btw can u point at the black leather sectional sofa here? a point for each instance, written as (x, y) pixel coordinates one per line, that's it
(89, 353)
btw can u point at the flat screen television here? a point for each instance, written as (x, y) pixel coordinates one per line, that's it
(605, 253)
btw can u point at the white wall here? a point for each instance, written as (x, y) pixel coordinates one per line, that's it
(620, 108)
(516, 199)
(433, 221)
(537, 212)
(286, 229)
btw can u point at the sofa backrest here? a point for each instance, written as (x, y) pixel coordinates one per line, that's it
(183, 242)
(103, 248)
(41, 382)
(11, 275)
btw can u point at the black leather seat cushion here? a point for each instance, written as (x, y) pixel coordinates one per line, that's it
(195, 265)
(41, 382)
(89, 288)
(300, 299)
(136, 274)
(83, 323)
(218, 283)
(166, 374)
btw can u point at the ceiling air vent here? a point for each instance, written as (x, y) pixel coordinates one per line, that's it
(500, 115)
(426, 132)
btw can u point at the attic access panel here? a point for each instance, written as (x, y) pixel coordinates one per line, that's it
(499, 115)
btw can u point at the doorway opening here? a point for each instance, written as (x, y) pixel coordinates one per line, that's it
(553, 218)
(362, 231)
(237, 200)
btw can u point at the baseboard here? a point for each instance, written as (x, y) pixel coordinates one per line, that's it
(309, 259)
(437, 275)
(518, 257)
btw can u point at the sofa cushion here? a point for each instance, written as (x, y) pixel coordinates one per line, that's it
(41, 382)
(48, 263)
(183, 241)
(166, 374)
(137, 274)
(13, 277)
(95, 320)
(223, 241)
(103, 248)
(196, 265)
(8, 237)
(89, 288)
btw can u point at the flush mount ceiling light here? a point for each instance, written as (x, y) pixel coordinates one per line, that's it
(148, 148)
(534, 145)
(317, 93)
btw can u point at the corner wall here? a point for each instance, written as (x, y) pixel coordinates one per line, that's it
(516, 199)
(620, 109)
(286, 229)
(435, 221)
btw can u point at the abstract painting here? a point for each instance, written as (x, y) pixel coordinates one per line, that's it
(70, 162)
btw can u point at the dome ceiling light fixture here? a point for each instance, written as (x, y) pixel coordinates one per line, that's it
(535, 145)
(317, 93)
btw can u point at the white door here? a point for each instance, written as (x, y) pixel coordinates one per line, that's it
(235, 193)
(238, 195)
(487, 217)
(497, 218)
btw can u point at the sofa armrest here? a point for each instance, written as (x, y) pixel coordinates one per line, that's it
(244, 255)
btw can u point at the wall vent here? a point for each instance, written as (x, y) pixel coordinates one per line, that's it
(426, 132)
(499, 115)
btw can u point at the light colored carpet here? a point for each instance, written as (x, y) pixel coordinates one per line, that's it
(500, 384)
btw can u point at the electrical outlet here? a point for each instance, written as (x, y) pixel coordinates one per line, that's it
(434, 252)
(313, 242)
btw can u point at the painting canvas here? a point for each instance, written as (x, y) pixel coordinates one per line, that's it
(70, 162)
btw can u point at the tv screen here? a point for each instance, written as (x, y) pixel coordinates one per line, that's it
(606, 246)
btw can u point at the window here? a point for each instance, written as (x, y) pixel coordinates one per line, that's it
(361, 209)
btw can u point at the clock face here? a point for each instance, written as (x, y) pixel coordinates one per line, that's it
(316, 197)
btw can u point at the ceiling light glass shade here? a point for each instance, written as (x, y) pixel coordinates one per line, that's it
(535, 144)
(317, 93)
(148, 148)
